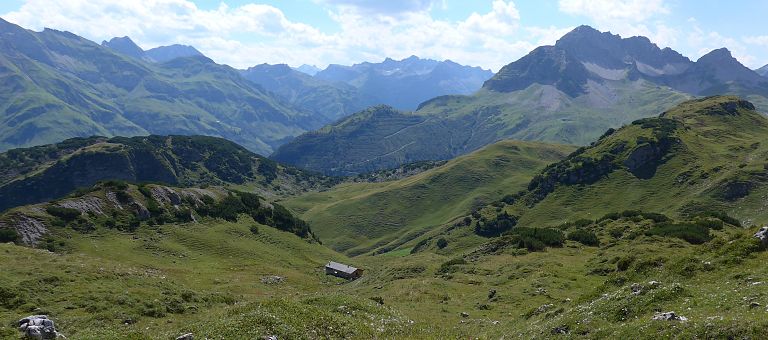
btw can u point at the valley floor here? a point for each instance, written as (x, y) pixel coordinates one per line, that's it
(213, 279)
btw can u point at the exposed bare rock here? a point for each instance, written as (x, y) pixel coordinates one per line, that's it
(30, 230)
(141, 210)
(165, 195)
(85, 205)
(112, 197)
(38, 327)
(762, 235)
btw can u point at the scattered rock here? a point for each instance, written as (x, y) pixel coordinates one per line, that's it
(39, 327)
(272, 280)
(270, 337)
(543, 309)
(754, 304)
(636, 288)
(188, 336)
(491, 294)
(654, 284)
(669, 316)
(464, 314)
(564, 329)
(762, 235)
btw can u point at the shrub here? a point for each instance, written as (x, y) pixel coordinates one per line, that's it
(584, 237)
(117, 184)
(655, 217)
(547, 236)
(503, 222)
(442, 243)
(123, 197)
(254, 229)
(144, 190)
(8, 235)
(447, 266)
(610, 216)
(66, 214)
(623, 263)
(690, 232)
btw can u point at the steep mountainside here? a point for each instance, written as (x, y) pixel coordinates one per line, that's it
(763, 71)
(404, 84)
(703, 155)
(567, 93)
(325, 99)
(56, 85)
(49, 172)
(358, 218)
(161, 54)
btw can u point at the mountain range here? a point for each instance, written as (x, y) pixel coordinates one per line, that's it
(404, 84)
(57, 85)
(159, 54)
(570, 93)
(339, 91)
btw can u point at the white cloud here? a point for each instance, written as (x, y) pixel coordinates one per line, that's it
(610, 10)
(256, 33)
(387, 7)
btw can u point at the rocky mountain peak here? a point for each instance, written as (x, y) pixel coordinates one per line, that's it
(125, 46)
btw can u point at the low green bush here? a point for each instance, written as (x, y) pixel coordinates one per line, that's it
(8, 235)
(501, 223)
(690, 232)
(66, 214)
(584, 237)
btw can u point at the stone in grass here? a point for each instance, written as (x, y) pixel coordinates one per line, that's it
(188, 336)
(669, 316)
(762, 235)
(464, 314)
(39, 327)
(272, 280)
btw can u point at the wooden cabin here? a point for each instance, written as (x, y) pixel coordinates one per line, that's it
(342, 270)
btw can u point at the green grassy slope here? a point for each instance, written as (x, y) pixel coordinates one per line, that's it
(448, 126)
(49, 172)
(706, 154)
(57, 85)
(363, 217)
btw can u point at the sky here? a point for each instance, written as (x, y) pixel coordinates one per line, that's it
(486, 33)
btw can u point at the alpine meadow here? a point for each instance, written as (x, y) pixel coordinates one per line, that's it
(328, 169)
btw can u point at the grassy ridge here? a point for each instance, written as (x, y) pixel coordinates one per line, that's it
(362, 217)
(449, 126)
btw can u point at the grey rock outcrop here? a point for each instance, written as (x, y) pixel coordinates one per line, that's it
(38, 327)
(762, 235)
(669, 316)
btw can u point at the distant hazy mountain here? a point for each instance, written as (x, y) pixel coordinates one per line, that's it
(763, 71)
(406, 83)
(567, 93)
(308, 69)
(56, 85)
(160, 54)
(165, 53)
(323, 98)
(339, 91)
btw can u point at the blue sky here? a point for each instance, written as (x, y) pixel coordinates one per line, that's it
(488, 33)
